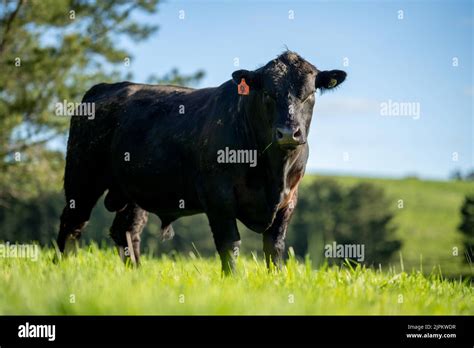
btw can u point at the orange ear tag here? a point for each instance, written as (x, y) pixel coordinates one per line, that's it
(243, 88)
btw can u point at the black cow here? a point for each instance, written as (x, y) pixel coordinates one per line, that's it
(226, 151)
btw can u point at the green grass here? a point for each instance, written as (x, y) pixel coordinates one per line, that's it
(101, 284)
(428, 221)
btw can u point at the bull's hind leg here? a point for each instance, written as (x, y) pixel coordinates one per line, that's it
(80, 199)
(126, 229)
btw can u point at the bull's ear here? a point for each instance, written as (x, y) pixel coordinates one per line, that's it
(252, 79)
(329, 79)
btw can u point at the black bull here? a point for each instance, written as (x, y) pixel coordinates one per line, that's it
(178, 151)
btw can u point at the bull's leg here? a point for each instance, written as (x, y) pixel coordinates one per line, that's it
(274, 236)
(80, 199)
(227, 240)
(84, 183)
(125, 231)
(72, 223)
(220, 211)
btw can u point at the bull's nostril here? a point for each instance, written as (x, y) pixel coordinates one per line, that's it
(297, 134)
(279, 134)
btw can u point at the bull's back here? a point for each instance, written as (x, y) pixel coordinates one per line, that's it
(114, 105)
(98, 128)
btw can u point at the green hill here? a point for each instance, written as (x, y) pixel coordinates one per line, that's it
(428, 221)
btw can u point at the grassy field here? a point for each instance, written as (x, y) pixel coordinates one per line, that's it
(96, 282)
(428, 221)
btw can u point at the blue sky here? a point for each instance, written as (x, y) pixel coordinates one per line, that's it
(402, 60)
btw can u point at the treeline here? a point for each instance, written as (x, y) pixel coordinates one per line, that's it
(326, 213)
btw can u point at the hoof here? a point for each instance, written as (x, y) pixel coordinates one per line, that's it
(71, 246)
(127, 254)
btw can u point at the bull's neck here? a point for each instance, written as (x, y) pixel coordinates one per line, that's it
(250, 118)
(271, 159)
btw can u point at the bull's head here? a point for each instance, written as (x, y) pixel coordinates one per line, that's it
(282, 96)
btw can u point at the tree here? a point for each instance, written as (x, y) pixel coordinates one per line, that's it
(50, 51)
(329, 213)
(467, 227)
(319, 210)
(369, 221)
(469, 176)
(456, 175)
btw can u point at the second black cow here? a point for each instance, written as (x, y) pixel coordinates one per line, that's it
(237, 151)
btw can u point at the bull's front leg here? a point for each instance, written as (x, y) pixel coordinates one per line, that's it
(227, 240)
(220, 210)
(274, 236)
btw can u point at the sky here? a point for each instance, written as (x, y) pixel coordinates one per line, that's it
(396, 53)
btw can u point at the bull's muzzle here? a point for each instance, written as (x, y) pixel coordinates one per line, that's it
(288, 137)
